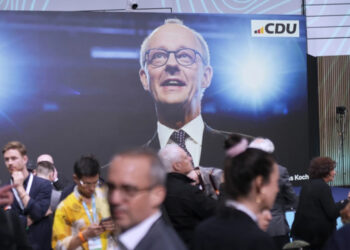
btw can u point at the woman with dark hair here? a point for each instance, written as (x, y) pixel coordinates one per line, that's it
(315, 218)
(251, 184)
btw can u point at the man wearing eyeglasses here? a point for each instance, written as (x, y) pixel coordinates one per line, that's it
(136, 190)
(83, 218)
(175, 69)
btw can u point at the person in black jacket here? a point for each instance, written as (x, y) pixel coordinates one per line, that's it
(31, 196)
(251, 184)
(339, 240)
(315, 218)
(58, 183)
(12, 233)
(185, 204)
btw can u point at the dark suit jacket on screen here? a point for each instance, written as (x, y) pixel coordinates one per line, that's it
(161, 236)
(231, 229)
(315, 218)
(213, 153)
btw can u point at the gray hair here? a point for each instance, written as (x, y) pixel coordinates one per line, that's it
(169, 155)
(203, 43)
(158, 172)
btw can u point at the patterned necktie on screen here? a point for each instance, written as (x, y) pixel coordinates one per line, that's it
(179, 138)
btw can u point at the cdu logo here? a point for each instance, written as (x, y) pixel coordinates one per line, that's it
(275, 28)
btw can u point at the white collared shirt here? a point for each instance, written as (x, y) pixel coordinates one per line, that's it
(243, 208)
(193, 143)
(132, 237)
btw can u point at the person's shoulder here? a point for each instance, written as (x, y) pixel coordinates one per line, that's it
(318, 183)
(225, 134)
(317, 187)
(70, 201)
(40, 180)
(176, 178)
(339, 239)
(42, 184)
(153, 142)
(208, 224)
(284, 174)
(282, 169)
(161, 236)
(162, 226)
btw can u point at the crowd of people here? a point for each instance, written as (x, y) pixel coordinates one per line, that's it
(161, 201)
(189, 187)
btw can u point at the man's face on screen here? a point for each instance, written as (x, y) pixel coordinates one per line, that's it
(178, 77)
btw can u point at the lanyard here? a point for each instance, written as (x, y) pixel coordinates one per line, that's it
(29, 186)
(94, 215)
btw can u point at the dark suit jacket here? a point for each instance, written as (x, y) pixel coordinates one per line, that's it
(60, 184)
(231, 229)
(285, 200)
(213, 153)
(315, 218)
(67, 191)
(161, 236)
(12, 233)
(39, 233)
(186, 205)
(339, 240)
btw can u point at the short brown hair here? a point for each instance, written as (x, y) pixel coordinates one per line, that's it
(15, 145)
(320, 167)
(45, 168)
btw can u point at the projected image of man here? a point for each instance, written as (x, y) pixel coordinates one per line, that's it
(175, 69)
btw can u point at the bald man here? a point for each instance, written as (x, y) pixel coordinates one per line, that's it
(59, 184)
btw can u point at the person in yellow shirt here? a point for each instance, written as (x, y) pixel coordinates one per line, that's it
(83, 218)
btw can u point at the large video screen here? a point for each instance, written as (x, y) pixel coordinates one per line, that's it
(70, 82)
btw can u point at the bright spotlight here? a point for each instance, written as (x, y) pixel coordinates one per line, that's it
(254, 77)
(255, 82)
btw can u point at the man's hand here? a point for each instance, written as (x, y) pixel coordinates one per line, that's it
(18, 178)
(6, 197)
(92, 231)
(108, 224)
(194, 176)
(53, 175)
(29, 221)
(48, 212)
